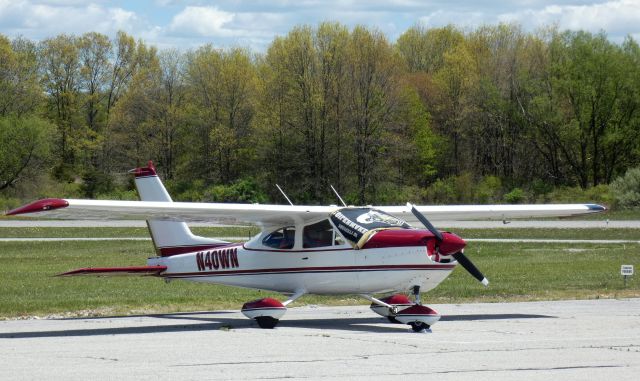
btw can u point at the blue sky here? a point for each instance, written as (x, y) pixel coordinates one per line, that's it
(185, 24)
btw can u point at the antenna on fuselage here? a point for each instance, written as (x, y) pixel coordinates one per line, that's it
(337, 194)
(284, 194)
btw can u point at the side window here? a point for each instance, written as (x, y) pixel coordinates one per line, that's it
(282, 238)
(318, 235)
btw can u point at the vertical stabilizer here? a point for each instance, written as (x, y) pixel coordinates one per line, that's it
(169, 237)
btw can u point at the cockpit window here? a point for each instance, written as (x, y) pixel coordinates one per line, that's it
(318, 235)
(283, 238)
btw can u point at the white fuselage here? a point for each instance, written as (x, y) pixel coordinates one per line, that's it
(338, 270)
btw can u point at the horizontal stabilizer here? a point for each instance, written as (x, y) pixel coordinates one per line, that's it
(117, 271)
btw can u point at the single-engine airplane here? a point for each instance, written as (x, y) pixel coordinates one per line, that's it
(301, 249)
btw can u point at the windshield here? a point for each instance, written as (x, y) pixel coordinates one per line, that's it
(355, 223)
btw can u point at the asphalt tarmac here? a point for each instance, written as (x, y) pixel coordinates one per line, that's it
(563, 340)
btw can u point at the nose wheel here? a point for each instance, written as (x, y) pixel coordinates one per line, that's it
(419, 317)
(399, 309)
(418, 326)
(266, 322)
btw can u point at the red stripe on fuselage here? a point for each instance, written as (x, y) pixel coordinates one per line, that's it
(313, 269)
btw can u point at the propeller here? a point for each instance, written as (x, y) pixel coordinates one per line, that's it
(450, 241)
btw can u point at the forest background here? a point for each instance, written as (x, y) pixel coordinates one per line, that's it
(441, 116)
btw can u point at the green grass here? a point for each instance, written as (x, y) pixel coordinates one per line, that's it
(534, 271)
(606, 233)
(516, 272)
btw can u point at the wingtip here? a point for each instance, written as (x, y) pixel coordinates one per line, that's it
(596, 208)
(40, 206)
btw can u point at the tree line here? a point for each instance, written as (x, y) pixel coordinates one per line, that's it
(441, 115)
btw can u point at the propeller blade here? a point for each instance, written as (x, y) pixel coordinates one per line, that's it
(459, 256)
(470, 267)
(425, 222)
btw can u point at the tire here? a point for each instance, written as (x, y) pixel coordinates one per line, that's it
(418, 326)
(266, 322)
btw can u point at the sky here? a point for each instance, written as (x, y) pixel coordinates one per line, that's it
(186, 24)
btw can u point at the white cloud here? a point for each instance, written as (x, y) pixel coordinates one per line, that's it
(46, 19)
(197, 25)
(192, 23)
(615, 17)
(202, 21)
(461, 19)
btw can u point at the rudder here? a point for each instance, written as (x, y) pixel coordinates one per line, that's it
(169, 237)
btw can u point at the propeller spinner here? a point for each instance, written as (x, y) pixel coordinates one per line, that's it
(450, 244)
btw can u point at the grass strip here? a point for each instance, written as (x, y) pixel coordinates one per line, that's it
(518, 272)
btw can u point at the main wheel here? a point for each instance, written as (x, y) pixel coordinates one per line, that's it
(266, 322)
(418, 326)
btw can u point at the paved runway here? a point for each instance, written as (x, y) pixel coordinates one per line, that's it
(568, 340)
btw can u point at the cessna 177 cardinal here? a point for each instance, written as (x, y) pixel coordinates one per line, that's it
(301, 249)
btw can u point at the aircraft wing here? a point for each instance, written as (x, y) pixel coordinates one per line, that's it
(223, 213)
(491, 212)
(282, 215)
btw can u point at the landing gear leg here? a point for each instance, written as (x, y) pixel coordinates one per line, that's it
(416, 294)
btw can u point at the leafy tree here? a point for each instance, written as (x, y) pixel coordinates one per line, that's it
(25, 148)
(94, 52)
(129, 63)
(60, 65)
(134, 118)
(372, 70)
(453, 105)
(221, 87)
(588, 117)
(626, 189)
(424, 49)
(20, 91)
(442, 115)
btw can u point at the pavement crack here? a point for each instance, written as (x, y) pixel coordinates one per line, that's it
(531, 369)
(623, 348)
(372, 341)
(257, 362)
(422, 374)
(100, 358)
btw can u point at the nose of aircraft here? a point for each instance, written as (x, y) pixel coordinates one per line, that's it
(451, 244)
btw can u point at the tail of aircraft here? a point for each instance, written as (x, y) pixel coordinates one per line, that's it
(169, 237)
